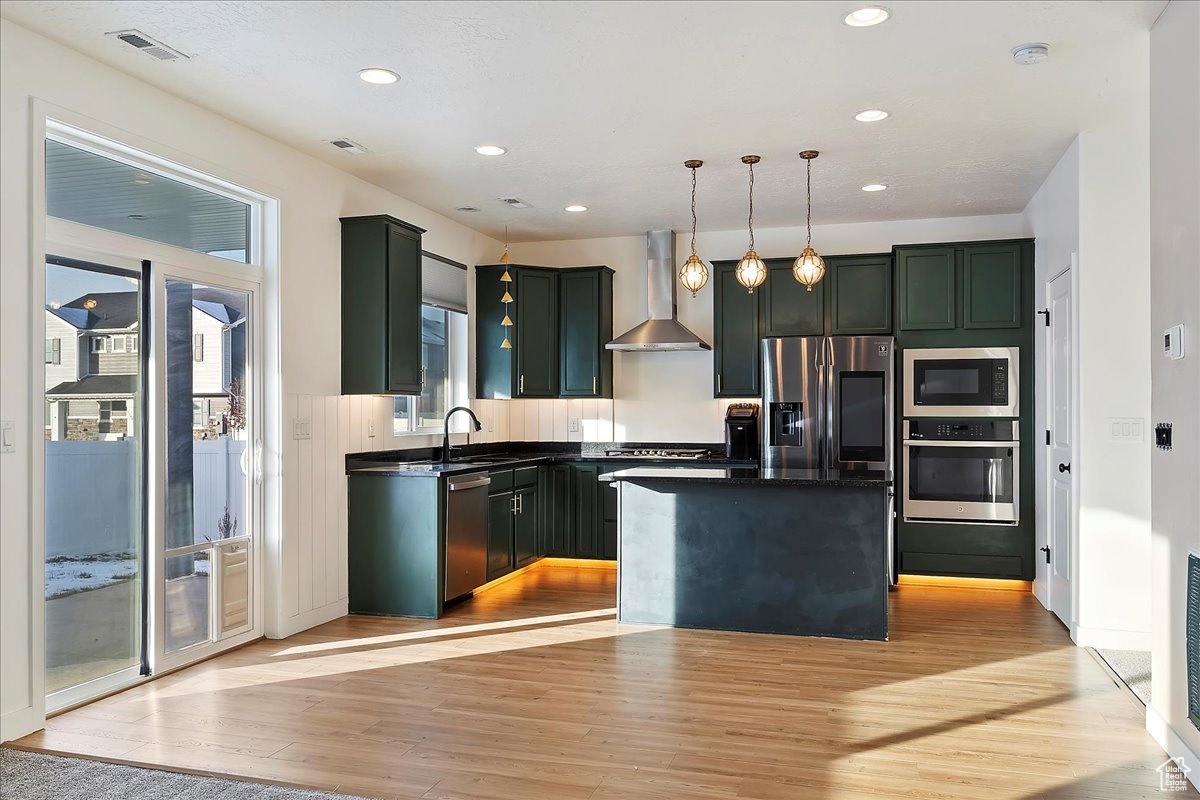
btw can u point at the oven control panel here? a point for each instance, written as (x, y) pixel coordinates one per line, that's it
(959, 430)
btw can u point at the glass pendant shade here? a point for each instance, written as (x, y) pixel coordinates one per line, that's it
(809, 268)
(750, 272)
(693, 274)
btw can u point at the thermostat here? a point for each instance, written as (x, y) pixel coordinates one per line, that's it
(1173, 342)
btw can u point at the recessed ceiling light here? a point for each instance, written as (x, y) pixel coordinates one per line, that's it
(575, 209)
(490, 150)
(874, 187)
(867, 16)
(378, 75)
(136, 216)
(871, 115)
(467, 209)
(141, 179)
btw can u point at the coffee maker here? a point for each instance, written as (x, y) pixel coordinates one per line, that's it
(741, 431)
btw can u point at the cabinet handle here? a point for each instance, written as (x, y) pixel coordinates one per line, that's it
(521, 384)
(718, 383)
(593, 384)
(512, 504)
(424, 371)
(520, 504)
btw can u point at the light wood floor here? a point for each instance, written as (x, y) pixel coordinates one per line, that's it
(533, 691)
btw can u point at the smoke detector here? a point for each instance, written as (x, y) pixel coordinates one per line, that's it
(349, 146)
(1035, 53)
(513, 202)
(151, 47)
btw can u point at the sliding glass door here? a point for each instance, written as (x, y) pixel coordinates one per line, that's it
(95, 439)
(210, 424)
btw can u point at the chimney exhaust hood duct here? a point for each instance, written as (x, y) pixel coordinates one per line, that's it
(662, 331)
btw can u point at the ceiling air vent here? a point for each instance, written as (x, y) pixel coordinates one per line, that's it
(514, 202)
(151, 47)
(349, 146)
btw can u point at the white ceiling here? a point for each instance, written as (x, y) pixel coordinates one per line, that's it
(599, 103)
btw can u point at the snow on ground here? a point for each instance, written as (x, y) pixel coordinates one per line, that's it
(70, 574)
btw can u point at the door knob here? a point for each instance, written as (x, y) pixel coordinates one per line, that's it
(1064, 467)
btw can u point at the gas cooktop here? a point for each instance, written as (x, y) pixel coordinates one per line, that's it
(683, 453)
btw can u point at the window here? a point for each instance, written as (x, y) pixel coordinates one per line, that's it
(133, 343)
(198, 347)
(98, 343)
(118, 343)
(105, 192)
(444, 384)
(197, 414)
(54, 351)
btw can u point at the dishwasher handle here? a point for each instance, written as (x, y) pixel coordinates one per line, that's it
(467, 482)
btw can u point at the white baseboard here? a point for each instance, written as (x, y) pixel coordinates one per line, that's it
(21, 722)
(309, 619)
(1110, 638)
(1170, 741)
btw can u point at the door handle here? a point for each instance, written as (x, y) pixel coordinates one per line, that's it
(1064, 467)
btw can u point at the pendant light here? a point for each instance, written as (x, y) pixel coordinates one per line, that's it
(751, 271)
(809, 268)
(506, 279)
(694, 272)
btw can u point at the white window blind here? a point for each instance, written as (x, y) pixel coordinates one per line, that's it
(443, 285)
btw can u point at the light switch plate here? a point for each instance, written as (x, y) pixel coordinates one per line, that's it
(301, 428)
(8, 436)
(1127, 429)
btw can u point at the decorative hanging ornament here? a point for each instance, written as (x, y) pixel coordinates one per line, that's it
(809, 268)
(506, 279)
(694, 272)
(751, 271)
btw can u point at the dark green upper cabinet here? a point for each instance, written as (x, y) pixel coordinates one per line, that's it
(736, 334)
(925, 278)
(860, 294)
(585, 319)
(562, 322)
(992, 285)
(381, 306)
(788, 308)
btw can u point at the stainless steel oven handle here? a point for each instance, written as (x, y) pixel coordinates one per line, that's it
(952, 443)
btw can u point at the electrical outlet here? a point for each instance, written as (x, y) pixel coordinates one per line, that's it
(491, 424)
(370, 429)
(573, 427)
(301, 428)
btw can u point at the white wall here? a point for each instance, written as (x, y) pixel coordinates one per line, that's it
(1095, 203)
(311, 194)
(1175, 393)
(1052, 217)
(668, 396)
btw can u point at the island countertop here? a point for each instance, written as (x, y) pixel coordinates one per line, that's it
(752, 476)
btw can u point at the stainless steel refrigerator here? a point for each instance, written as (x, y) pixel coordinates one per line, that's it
(828, 403)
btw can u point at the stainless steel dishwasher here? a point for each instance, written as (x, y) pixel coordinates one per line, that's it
(466, 532)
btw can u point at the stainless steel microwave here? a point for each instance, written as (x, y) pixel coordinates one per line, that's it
(962, 382)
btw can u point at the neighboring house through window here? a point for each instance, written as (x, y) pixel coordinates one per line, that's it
(443, 353)
(54, 351)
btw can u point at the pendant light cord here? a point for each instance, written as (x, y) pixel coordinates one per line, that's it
(809, 192)
(693, 211)
(750, 217)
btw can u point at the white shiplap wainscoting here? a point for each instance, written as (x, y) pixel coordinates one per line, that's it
(319, 430)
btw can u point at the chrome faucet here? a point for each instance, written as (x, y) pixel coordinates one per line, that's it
(446, 430)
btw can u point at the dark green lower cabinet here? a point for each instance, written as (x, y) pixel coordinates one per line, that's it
(525, 527)
(584, 515)
(608, 539)
(556, 505)
(500, 535)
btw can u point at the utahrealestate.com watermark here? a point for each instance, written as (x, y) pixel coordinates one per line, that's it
(1172, 775)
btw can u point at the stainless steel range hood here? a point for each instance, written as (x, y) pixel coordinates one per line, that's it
(662, 331)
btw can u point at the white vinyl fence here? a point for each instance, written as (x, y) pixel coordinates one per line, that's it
(91, 501)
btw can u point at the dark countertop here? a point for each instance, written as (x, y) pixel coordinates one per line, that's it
(380, 464)
(746, 476)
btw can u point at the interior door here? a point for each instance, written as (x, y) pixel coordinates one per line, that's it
(1060, 481)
